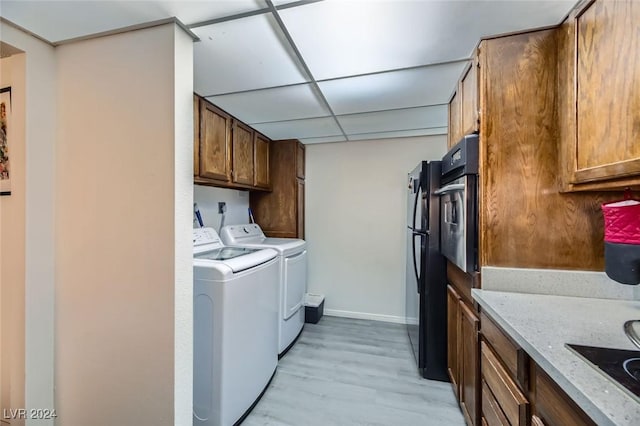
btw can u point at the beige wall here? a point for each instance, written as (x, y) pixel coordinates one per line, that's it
(122, 242)
(12, 244)
(356, 220)
(38, 194)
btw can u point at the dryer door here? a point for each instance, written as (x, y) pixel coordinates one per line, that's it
(295, 283)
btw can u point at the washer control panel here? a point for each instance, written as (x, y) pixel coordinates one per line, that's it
(202, 236)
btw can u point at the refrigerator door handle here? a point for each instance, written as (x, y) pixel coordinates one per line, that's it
(415, 205)
(415, 264)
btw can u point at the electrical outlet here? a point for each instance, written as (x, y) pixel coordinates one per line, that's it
(222, 207)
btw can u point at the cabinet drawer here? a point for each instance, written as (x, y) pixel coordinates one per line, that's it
(553, 406)
(491, 412)
(513, 357)
(513, 403)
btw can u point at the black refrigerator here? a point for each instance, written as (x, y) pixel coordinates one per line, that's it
(426, 287)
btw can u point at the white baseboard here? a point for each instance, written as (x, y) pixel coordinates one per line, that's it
(364, 315)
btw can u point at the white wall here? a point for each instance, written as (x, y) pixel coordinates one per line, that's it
(183, 211)
(208, 197)
(39, 115)
(355, 222)
(123, 212)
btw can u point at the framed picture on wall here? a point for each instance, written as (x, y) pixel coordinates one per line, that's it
(5, 124)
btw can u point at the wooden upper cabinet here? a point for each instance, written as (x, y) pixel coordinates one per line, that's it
(261, 161)
(227, 152)
(300, 161)
(600, 82)
(455, 120)
(242, 153)
(280, 213)
(196, 135)
(464, 105)
(469, 99)
(215, 142)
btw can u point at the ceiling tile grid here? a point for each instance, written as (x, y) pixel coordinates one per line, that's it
(320, 71)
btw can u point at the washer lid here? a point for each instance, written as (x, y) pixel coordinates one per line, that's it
(225, 253)
(235, 258)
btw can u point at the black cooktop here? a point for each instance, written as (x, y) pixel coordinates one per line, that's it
(623, 366)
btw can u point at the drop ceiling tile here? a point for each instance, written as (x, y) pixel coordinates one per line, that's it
(309, 141)
(391, 90)
(400, 119)
(62, 20)
(300, 129)
(399, 134)
(243, 54)
(340, 38)
(278, 104)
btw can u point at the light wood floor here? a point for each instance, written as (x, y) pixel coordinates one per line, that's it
(353, 372)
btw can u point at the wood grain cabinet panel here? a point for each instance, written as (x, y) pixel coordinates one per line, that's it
(608, 90)
(280, 213)
(300, 161)
(553, 407)
(514, 358)
(598, 86)
(261, 161)
(242, 153)
(510, 398)
(215, 143)
(492, 414)
(455, 120)
(196, 135)
(469, 88)
(469, 364)
(226, 152)
(453, 331)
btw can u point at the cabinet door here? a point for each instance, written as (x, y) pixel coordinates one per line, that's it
(215, 142)
(455, 120)
(469, 364)
(300, 166)
(242, 153)
(469, 100)
(196, 135)
(553, 406)
(261, 161)
(607, 91)
(453, 333)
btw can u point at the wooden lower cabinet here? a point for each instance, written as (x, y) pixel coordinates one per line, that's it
(515, 391)
(511, 401)
(469, 364)
(462, 354)
(553, 406)
(453, 326)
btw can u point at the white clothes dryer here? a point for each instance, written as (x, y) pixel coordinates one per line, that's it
(292, 255)
(235, 335)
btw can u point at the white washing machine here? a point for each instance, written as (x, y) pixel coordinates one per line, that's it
(235, 299)
(292, 255)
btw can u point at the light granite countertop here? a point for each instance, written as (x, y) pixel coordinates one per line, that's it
(542, 324)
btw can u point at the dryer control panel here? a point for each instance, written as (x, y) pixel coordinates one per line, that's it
(235, 234)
